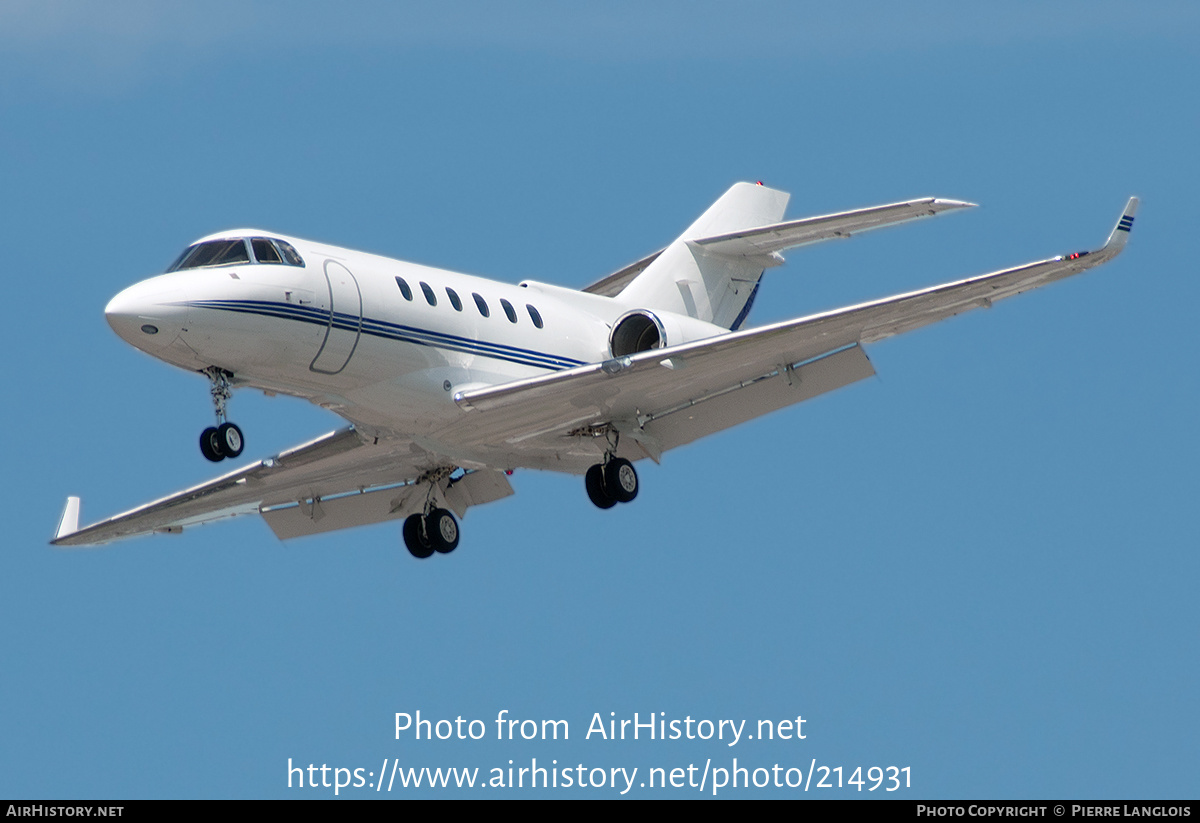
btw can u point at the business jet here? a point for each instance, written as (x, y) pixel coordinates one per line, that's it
(449, 382)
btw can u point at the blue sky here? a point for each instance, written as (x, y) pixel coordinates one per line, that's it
(980, 565)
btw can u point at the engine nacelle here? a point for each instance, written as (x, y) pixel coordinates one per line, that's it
(642, 330)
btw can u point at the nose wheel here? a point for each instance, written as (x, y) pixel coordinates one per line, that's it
(224, 439)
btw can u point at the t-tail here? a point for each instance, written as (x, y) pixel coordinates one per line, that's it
(712, 270)
(688, 278)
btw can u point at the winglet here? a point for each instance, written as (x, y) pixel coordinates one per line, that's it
(69, 522)
(946, 204)
(1120, 233)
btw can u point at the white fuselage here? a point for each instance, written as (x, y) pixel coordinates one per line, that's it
(451, 380)
(343, 332)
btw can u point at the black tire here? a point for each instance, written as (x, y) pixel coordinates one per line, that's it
(415, 540)
(210, 445)
(231, 440)
(620, 479)
(442, 529)
(593, 481)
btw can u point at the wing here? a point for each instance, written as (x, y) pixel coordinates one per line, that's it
(336, 481)
(766, 240)
(666, 397)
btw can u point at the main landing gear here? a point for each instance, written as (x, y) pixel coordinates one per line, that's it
(219, 442)
(425, 534)
(432, 529)
(224, 439)
(611, 482)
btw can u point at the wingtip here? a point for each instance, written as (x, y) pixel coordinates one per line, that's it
(68, 521)
(1120, 233)
(947, 203)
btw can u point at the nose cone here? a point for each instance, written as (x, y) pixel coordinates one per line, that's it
(149, 315)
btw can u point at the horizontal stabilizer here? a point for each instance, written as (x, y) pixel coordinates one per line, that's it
(766, 240)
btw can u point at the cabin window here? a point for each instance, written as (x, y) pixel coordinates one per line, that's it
(481, 304)
(430, 297)
(404, 289)
(264, 252)
(534, 316)
(454, 301)
(509, 310)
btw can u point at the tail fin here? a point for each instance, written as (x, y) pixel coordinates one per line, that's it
(714, 287)
(744, 206)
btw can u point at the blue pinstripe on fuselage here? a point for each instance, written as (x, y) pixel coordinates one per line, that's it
(390, 331)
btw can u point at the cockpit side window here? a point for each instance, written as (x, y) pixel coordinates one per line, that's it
(289, 254)
(264, 251)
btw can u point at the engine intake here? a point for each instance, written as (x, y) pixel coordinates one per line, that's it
(636, 331)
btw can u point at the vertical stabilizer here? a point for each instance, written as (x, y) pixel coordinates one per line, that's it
(707, 285)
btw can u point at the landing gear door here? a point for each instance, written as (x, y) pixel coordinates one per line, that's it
(344, 322)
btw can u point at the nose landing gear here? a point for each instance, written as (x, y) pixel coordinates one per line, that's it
(224, 439)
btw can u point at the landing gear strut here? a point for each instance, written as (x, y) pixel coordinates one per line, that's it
(224, 439)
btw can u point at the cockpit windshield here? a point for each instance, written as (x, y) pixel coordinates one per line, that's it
(233, 251)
